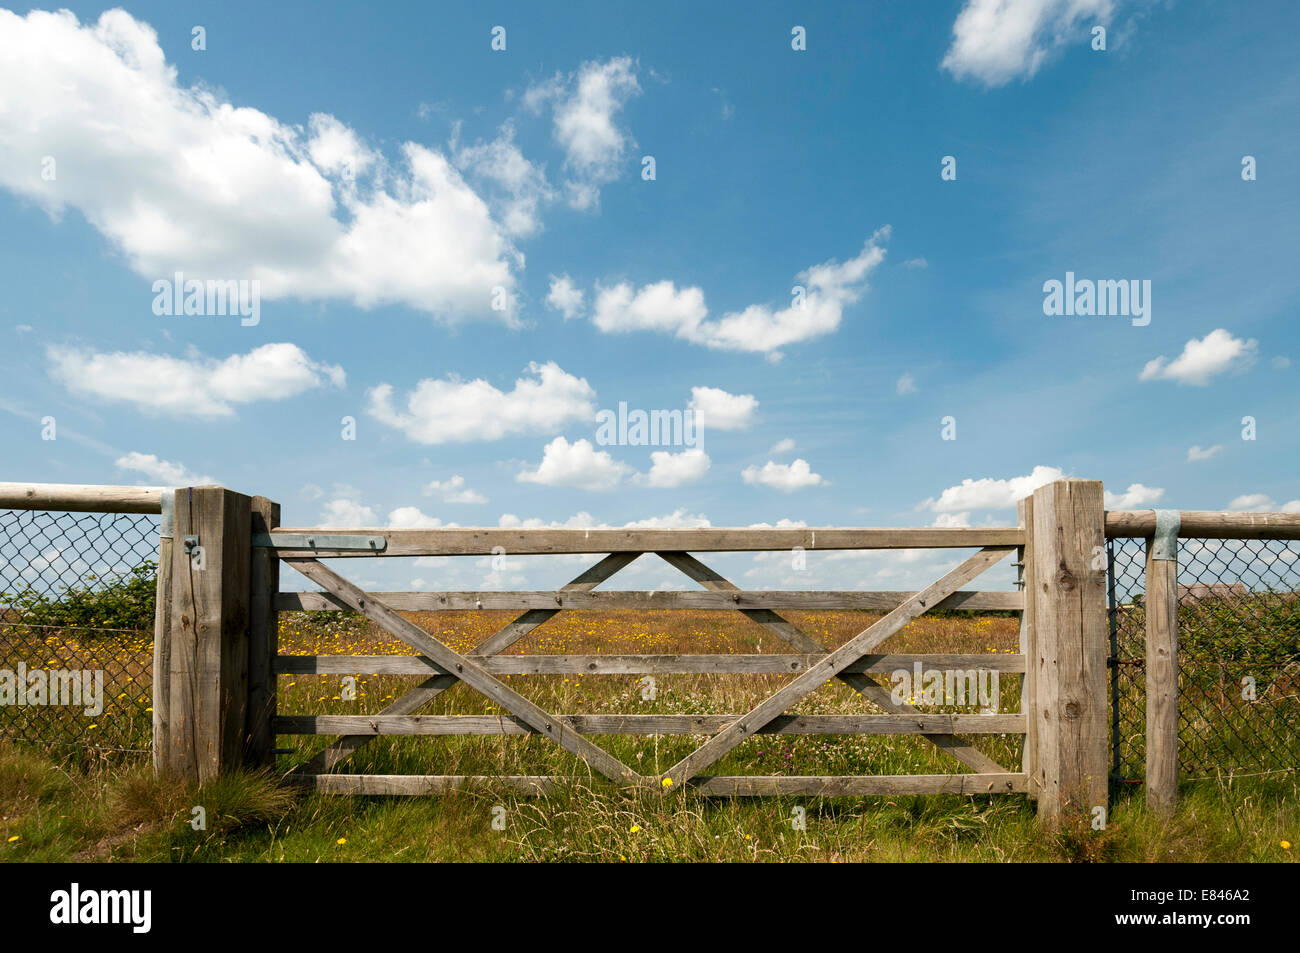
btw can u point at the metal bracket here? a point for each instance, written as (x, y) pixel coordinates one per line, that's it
(191, 543)
(1165, 543)
(321, 541)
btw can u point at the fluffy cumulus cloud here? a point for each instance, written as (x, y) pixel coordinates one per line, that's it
(991, 494)
(347, 513)
(1135, 497)
(565, 297)
(585, 107)
(160, 472)
(677, 519)
(410, 517)
(828, 289)
(192, 386)
(786, 477)
(179, 179)
(518, 187)
(669, 470)
(456, 411)
(715, 409)
(453, 490)
(1214, 354)
(996, 41)
(577, 464)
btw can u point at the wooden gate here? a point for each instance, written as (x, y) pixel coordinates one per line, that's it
(1059, 707)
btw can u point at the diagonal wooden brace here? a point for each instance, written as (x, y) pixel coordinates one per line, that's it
(343, 748)
(864, 685)
(829, 667)
(557, 729)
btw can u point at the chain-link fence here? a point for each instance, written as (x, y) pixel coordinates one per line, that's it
(77, 593)
(1238, 657)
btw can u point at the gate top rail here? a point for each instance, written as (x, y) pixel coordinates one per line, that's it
(487, 541)
(1206, 524)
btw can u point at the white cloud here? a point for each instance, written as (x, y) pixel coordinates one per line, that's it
(715, 409)
(1263, 503)
(677, 519)
(677, 469)
(161, 472)
(991, 494)
(995, 41)
(410, 517)
(453, 491)
(347, 513)
(521, 185)
(782, 476)
(452, 410)
(193, 386)
(565, 297)
(906, 385)
(782, 446)
(1213, 354)
(952, 520)
(586, 105)
(179, 179)
(1280, 363)
(829, 288)
(1135, 497)
(576, 464)
(919, 263)
(1196, 454)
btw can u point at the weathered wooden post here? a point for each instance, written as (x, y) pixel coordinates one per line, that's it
(1067, 671)
(1162, 663)
(162, 636)
(263, 638)
(202, 675)
(1028, 645)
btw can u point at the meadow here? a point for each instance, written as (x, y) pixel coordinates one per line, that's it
(57, 805)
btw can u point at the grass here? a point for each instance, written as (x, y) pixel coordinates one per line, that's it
(111, 808)
(105, 811)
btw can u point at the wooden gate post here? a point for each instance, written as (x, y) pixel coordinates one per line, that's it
(263, 639)
(1069, 639)
(203, 684)
(1162, 663)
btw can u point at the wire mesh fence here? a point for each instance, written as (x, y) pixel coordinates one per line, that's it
(77, 594)
(1238, 657)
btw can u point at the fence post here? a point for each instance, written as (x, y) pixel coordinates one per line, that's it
(263, 638)
(1028, 644)
(1162, 663)
(1069, 637)
(162, 636)
(207, 633)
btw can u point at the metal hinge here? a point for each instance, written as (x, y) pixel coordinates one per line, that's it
(322, 541)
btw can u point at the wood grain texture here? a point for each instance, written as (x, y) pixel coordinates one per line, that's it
(783, 664)
(521, 542)
(649, 724)
(647, 601)
(263, 637)
(1161, 683)
(208, 674)
(1206, 524)
(81, 498)
(1071, 641)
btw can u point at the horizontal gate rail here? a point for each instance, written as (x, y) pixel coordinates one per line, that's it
(526, 542)
(651, 724)
(738, 664)
(720, 786)
(646, 600)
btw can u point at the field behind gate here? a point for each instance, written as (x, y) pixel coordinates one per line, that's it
(642, 633)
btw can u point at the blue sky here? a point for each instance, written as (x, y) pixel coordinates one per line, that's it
(382, 178)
